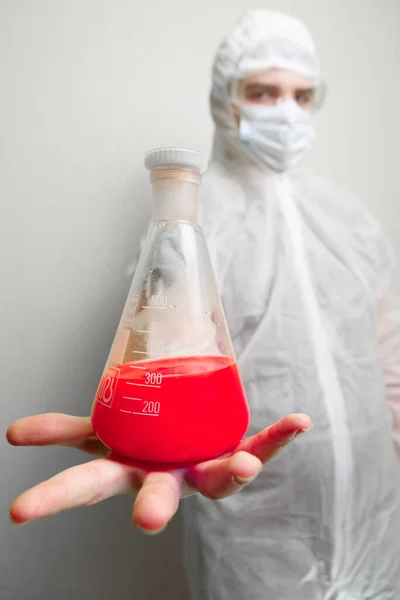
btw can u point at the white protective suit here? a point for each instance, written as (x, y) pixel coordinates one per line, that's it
(305, 275)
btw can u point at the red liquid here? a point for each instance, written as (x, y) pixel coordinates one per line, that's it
(171, 410)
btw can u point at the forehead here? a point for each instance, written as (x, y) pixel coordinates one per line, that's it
(278, 78)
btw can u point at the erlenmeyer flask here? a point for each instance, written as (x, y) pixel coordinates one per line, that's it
(171, 390)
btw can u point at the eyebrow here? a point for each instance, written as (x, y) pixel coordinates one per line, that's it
(275, 87)
(256, 86)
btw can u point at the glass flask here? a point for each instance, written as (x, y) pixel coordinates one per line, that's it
(171, 391)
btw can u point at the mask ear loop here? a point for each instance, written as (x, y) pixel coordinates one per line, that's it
(233, 100)
(233, 91)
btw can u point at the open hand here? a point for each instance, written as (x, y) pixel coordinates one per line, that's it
(158, 490)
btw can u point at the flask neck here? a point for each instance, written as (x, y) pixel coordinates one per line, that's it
(175, 194)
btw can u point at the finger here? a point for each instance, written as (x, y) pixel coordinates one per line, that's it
(82, 485)
(56, 429)
(157, 501)
(49, 429)
(266, 444)
(92, 447)
(218, 479)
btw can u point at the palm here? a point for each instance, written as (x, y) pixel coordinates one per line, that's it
(157, 491)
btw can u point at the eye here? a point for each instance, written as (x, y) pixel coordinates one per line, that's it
(304, 97)
(261, 94)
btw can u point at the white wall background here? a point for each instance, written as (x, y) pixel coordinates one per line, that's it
(86, 87)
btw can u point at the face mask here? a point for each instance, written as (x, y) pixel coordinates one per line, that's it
(275, 137)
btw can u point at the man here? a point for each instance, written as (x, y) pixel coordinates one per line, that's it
(305, 276)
